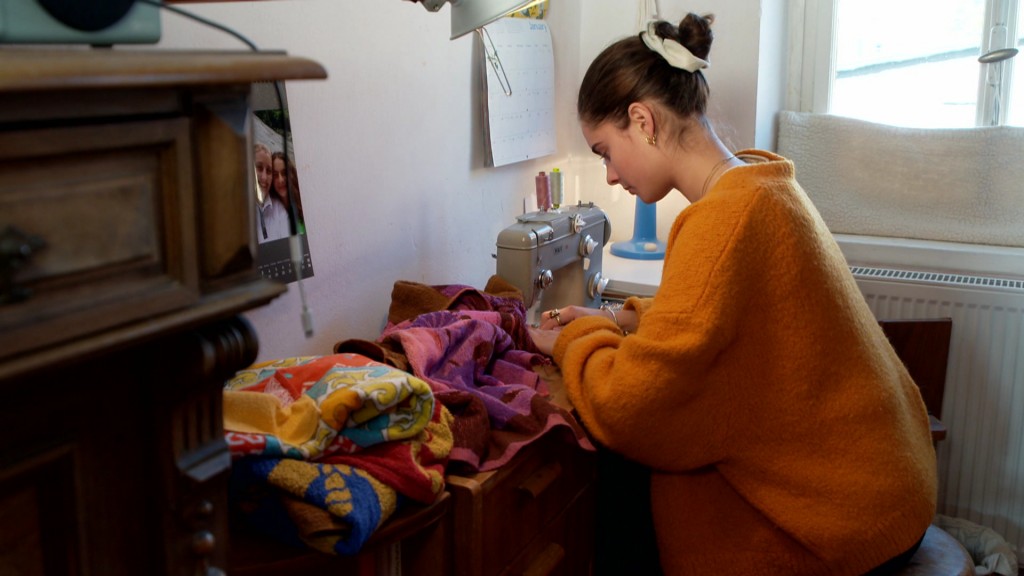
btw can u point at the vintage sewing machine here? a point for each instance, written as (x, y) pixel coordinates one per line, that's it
(554, 256)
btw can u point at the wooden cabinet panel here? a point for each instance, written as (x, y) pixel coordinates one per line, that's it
(225, 194)
(104, 456)
(112, 205)
(565, 546)
(37, 516)
(523, 513)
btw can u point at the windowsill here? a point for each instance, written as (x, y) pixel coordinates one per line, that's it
(931, 255)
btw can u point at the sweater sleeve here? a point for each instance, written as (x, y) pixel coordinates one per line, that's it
(638, 305)
(644, 395)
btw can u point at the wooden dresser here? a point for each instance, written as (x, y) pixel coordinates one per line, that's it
(536, 515)
(126, 256)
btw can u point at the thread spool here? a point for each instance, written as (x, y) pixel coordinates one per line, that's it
(543, 194)
(556, 188)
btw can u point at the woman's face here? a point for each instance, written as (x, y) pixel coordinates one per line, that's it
(264, 174)
(627, 159)
(281, 179)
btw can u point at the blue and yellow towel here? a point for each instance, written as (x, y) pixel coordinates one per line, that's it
(327, 447)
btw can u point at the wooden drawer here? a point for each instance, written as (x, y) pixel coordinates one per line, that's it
(113, 206)
(498, 514)
(566, 546)
(411, 542)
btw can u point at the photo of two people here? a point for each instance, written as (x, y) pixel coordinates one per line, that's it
(279, 212)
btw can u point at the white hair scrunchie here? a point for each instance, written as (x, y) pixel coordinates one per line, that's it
(673, 52)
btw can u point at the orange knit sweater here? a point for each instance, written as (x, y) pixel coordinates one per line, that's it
(783, 433)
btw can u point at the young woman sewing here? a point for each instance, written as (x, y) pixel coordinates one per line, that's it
(781, 431)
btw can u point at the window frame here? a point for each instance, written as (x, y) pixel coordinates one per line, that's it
(813, 48)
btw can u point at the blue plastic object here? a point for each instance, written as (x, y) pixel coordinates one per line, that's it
(645, 244)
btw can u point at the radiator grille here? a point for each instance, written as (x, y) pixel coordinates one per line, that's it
(940, 278)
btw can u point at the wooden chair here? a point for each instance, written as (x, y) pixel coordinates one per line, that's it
(923, 346)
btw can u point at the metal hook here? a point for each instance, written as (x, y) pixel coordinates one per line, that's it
(997, 55)
(996, 58)
(491, 54)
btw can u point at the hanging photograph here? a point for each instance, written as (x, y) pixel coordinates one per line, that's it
(279, 213)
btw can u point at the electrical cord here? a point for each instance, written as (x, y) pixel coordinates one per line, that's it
(164, 6)
(294, 242)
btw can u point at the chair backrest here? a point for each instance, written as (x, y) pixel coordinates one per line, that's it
(923, 346)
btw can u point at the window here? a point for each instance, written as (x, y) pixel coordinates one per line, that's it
(911, 62)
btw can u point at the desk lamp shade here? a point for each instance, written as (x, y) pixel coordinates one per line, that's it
(468, 15)
(645, 244)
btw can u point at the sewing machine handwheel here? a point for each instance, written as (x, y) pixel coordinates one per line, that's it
(597, 285)
(544, 279)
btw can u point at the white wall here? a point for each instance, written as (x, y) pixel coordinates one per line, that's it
(389, 146)
(772, 72)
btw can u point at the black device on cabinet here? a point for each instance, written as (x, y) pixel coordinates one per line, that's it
(96, 22)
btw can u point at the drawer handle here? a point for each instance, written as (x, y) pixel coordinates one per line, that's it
(541, 479)
(16, 247)
(546, 562)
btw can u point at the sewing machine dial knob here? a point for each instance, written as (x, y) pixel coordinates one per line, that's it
(588, 245)
(577, 223)
(544, 279)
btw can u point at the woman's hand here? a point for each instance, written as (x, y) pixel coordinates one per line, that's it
(544, 340)
(552, 321)
(626, 320)
(558, 317)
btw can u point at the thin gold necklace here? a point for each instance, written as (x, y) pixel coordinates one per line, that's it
(711, 175)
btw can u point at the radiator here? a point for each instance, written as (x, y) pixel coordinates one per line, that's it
(981, 461)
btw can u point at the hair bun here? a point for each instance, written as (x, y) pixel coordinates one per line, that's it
(693, 32)
(646, 68)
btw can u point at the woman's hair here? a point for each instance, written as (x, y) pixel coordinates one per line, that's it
(628, 71)
(279, 155)
(292, 177)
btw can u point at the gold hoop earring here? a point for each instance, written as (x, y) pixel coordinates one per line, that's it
(652, 140)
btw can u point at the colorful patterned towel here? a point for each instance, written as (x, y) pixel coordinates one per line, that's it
(474, 350)
(326, 448)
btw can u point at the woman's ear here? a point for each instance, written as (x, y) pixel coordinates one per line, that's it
(642, 116)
